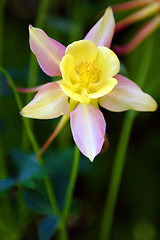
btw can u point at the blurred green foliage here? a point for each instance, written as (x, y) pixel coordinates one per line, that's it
(23, 201)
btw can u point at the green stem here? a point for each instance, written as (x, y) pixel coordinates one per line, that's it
(19, 104)
(2, 153)
(7, 213)
(2, 4)
(71, 185)
(55, 209)
(3, 170)
(2, 161)
(51, 196)
(47, 182)
(116, 175)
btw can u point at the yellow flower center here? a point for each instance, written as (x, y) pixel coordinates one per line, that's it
(88, 74)
(87, 71)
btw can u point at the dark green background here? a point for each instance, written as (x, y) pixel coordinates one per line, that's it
(137, 214)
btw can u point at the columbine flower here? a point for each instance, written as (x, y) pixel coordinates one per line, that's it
(89, 77)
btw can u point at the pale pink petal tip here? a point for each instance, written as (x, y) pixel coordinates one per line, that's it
(127, 96)
(50, 102)
(88, 129)
(102, 32)
(48, 51)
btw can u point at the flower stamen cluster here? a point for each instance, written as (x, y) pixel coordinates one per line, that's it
(88, 74)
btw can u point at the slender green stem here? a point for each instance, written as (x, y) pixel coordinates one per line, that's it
(32, 81)
(47, 182)
(116, 175)
(145, 63)
(3, 171)
(2, 4)
(71, 185)
(59, 127)
(2, 154)
(51, 196)
(2, 161)
(19, 104)
(55, 209)
(7, 212)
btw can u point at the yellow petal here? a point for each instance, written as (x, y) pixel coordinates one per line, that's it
(108, 62)
(74, 95)
(104, 87)
(82, 51)
(67, 67)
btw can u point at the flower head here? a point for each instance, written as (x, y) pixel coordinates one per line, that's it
(89, 77)
(88, 70)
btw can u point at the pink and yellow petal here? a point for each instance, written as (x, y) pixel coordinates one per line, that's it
(107, 62)
(127, 96)
(74, 95)
(82, 51)
(104, 87)
(102, 32)
(48, 51)
(50, 102)
(88, 129)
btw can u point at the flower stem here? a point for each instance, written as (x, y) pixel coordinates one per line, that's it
(19, 104)
(2, 5)
(47, 182)
(116, 175)
(6, 209)
(56, 131)
(141, 14)
(2, 154)
(28, 90)
(71, 185)
(130, 5)
(143, 33)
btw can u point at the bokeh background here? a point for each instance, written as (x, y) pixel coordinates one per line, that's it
(23, 198)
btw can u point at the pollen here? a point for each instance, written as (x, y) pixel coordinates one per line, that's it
(87, 74)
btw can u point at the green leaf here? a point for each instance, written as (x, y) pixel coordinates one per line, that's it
(6, 184)
(48, 227)
(27, 168)
(37, 200)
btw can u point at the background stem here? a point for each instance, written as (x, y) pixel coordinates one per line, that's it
(6, 210)
(71, 185)
(2, 153)
(47, 182)
(116, 175)
(2, 5)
